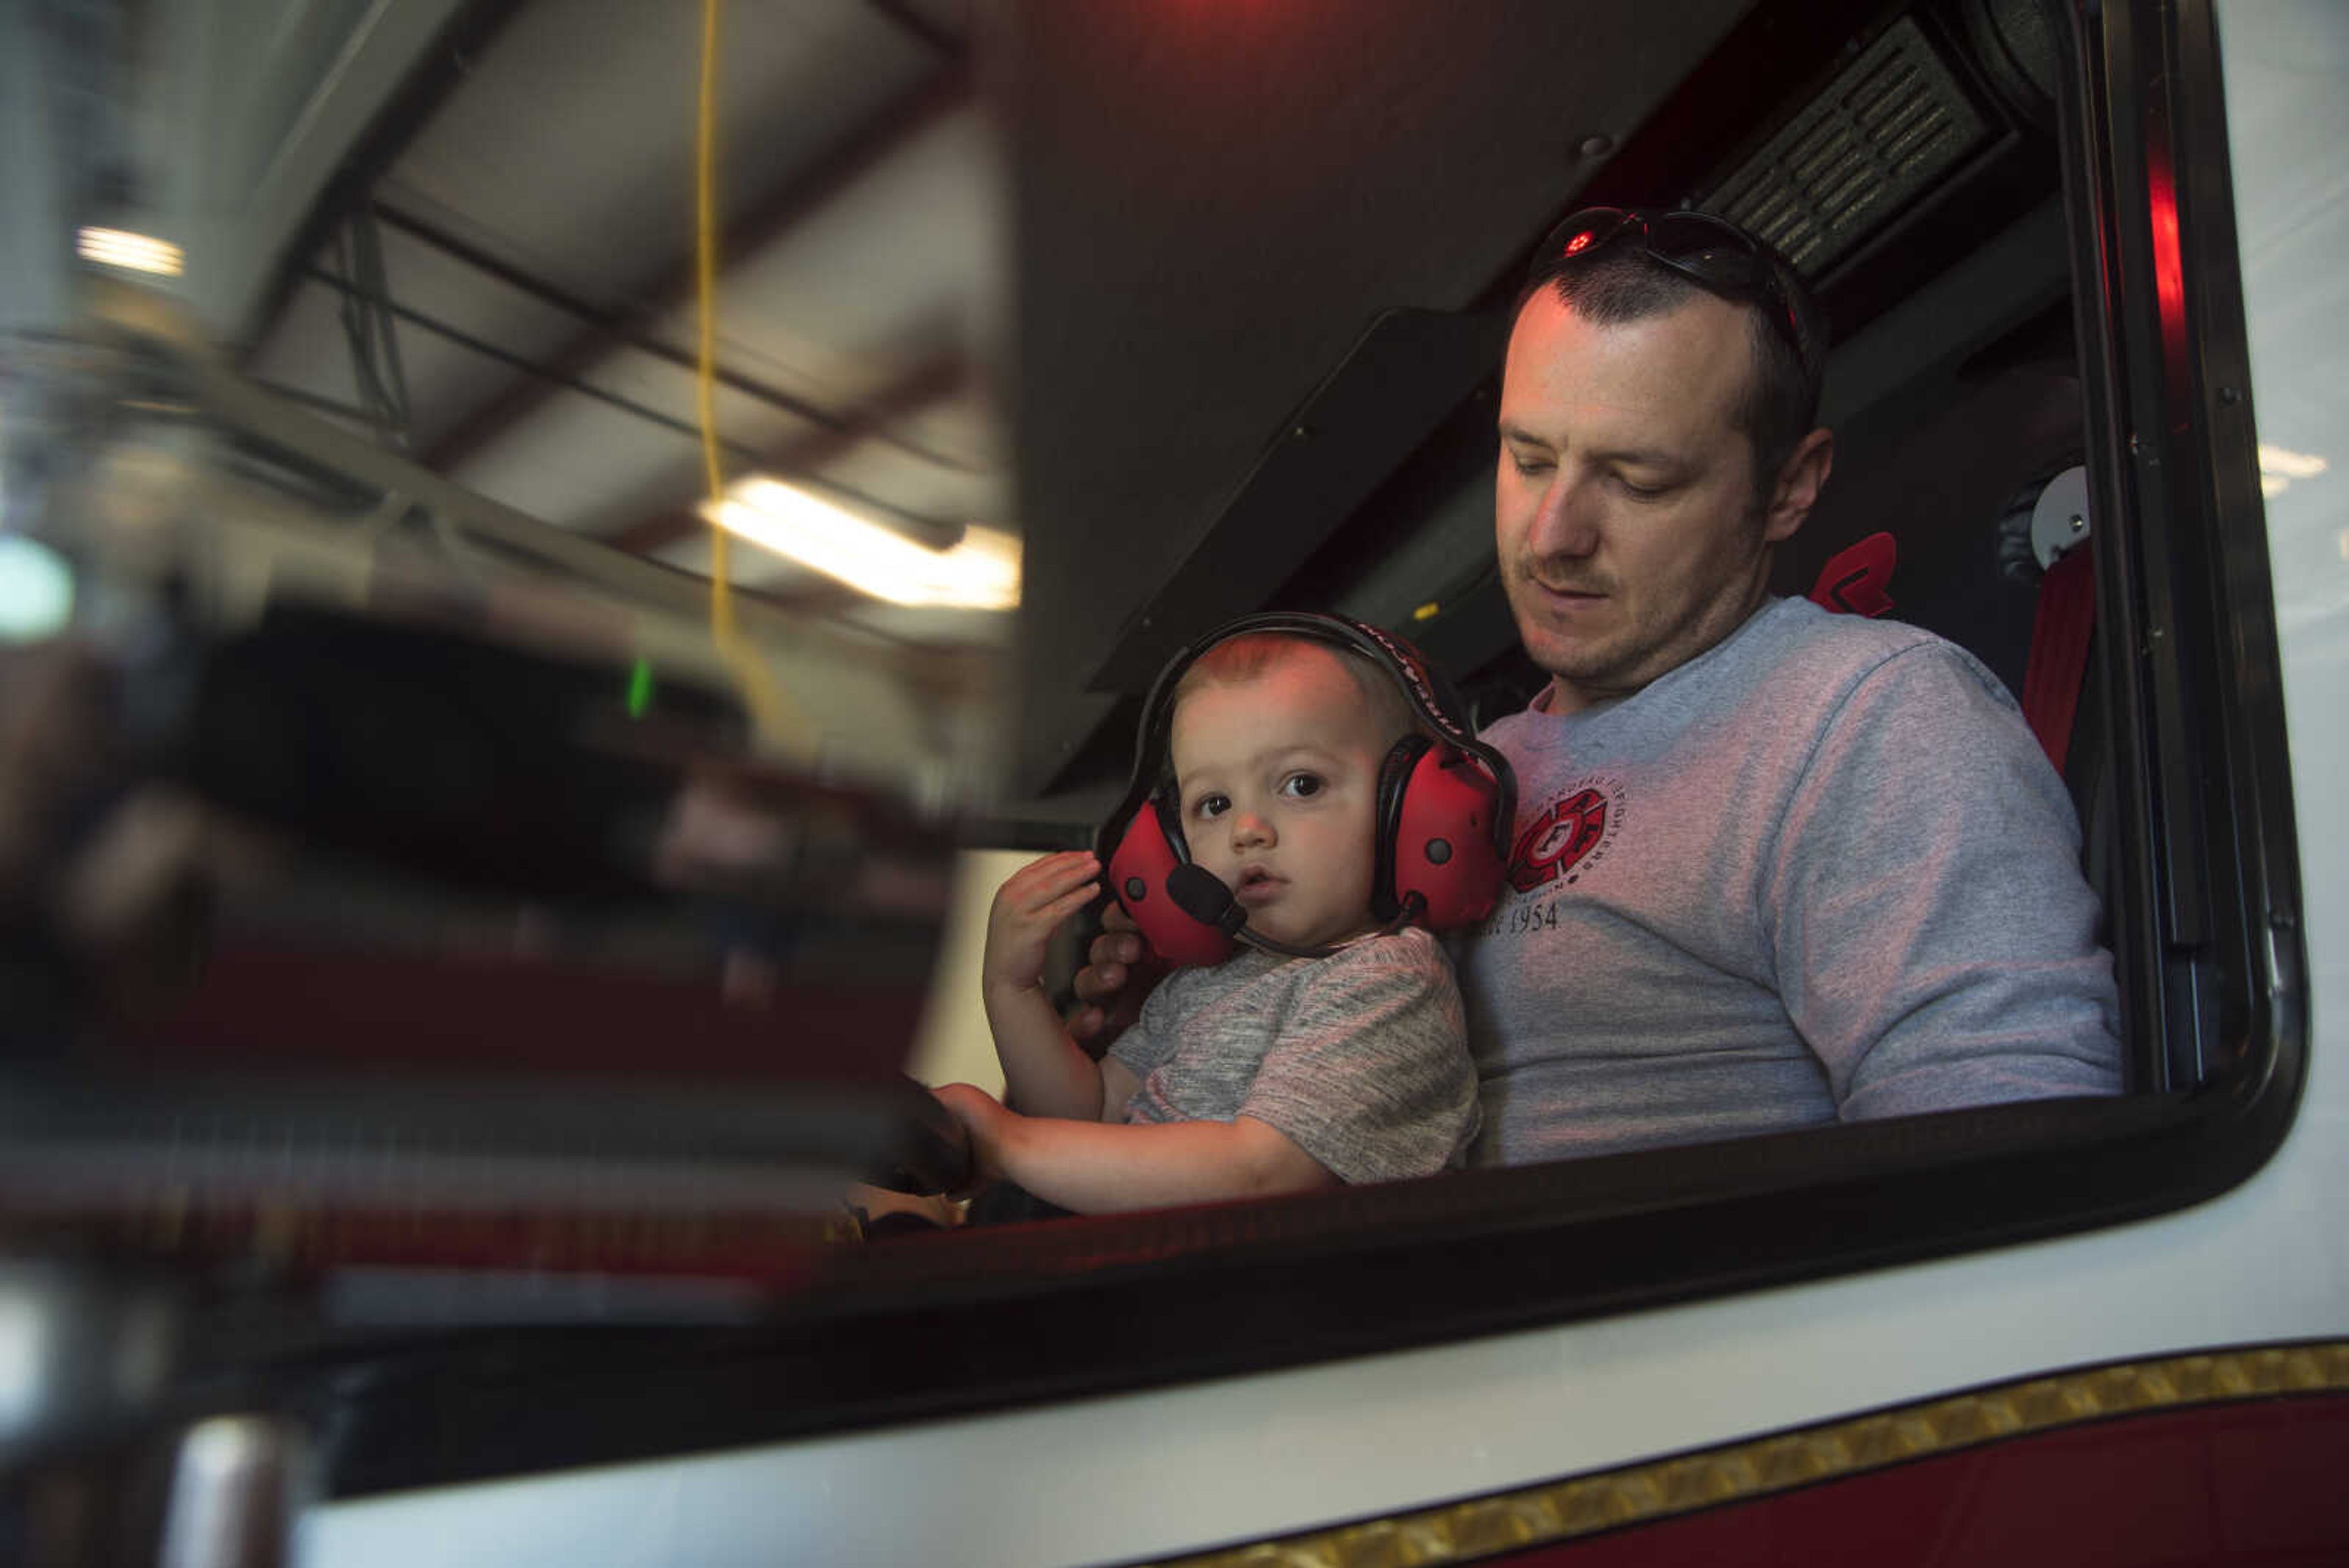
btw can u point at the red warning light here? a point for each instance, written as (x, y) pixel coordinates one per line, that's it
(2169, 264)
(2168, 276)
(1580, 241)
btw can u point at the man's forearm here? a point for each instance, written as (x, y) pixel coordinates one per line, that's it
(1045, 1073)
(1099, 1168)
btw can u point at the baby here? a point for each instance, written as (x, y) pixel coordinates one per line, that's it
(1263, 1074)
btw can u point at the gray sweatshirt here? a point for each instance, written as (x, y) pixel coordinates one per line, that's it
(1823, 870)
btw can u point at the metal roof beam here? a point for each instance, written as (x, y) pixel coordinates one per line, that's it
(864, 149)
(930, 382)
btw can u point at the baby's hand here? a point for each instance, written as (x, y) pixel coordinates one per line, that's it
(1028, 908)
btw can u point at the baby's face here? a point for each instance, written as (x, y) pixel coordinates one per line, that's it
(1279, 780)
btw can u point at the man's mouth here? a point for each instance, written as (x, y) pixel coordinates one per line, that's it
(1566, 590)
(1563, 599)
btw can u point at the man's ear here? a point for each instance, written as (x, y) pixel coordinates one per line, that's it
(1800, 479)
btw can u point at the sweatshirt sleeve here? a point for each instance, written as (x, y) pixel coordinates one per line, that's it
(1936, 944)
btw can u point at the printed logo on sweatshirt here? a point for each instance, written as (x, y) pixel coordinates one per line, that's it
(1566, 838)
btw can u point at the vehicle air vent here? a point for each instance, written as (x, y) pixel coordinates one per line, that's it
(1889, 125)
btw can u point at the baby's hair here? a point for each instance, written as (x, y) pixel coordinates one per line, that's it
(1248, 656)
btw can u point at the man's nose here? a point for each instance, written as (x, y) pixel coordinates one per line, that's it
(1566, 521)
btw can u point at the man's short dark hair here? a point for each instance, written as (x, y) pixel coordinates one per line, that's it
(1622, 285)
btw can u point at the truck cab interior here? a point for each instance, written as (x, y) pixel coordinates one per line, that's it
(1233, 281)
(1314, 426)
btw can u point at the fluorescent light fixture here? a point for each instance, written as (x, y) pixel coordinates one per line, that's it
(980, 573)
(37, 590)
(134, 252)
(2273, 484)
(27, 1356)
(2290, 465)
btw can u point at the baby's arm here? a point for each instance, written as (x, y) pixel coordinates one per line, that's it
(1099, 1168)
(1045, 1073)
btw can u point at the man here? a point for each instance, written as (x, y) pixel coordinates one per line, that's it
(1772, 867)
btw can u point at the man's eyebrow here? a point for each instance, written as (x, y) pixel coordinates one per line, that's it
(1639, 456)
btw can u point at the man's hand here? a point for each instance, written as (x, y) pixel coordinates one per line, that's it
(983, 1120)
(1029, 907)
(1119, 975)
(119, 871)
(52, 749)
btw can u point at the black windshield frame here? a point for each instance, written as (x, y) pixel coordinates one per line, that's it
(2206, 927)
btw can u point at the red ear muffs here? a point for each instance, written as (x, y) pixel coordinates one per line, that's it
(1444, 809)
(1439, 849)
(1138, 870)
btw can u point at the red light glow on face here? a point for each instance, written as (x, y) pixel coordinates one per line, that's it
(1579, 244)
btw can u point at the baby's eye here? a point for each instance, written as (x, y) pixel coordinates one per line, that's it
(1209, 805)
(1302, 786)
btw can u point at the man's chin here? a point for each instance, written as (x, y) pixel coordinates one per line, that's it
(1576, 660)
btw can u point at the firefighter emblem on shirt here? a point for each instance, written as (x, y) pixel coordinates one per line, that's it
(1567, 837)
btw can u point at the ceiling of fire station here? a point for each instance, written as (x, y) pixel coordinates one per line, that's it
(1058, 269)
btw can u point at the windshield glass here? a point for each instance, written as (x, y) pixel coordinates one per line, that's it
(623, 706)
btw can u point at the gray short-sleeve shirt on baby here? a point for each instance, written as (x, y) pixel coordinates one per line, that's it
(1360, 1059)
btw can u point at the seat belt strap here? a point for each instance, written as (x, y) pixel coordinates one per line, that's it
(2066, 618)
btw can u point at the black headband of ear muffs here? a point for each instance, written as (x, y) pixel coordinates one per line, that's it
(1432, 701)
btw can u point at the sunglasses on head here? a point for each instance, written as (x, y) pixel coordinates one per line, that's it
(1711, 252)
